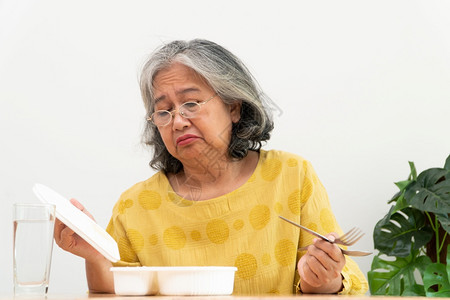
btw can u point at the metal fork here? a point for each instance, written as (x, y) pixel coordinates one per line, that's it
(346, 252)
(350, 238)
(347, 239)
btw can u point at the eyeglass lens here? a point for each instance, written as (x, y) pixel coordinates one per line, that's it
(164, 117)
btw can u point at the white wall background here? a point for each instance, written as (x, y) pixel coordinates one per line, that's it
(363, 87)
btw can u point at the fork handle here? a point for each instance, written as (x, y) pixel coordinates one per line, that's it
(307, 229)
(346, 252)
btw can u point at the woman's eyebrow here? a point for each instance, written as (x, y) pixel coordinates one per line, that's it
(159, 99)
(183, 91)
(188, 90)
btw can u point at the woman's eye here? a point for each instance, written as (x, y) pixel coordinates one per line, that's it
(190, 104)
(164, 109)
(161, 113)
(192, 101)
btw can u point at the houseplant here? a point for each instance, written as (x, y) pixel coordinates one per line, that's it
(413, 238)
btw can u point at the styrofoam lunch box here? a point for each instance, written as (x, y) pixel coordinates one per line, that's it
(174, 281)
(134, 281)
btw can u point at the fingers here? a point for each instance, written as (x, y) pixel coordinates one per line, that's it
(60, 226)
(322, 263)
(332, 236)
(319, 269)
(306, 272)
(65, 237)
(81, 207)
(70, 241)
(58, 229)
(331, 250)
(77, 204)
(315, 279)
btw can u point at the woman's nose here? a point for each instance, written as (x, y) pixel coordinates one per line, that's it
(179, 122)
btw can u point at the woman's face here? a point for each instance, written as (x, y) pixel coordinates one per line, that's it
(205, 136)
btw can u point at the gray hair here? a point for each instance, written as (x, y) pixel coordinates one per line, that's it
(228, 77)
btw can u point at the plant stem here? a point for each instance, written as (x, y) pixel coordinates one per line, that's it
(443, 241)
(438, 250)
(431, 221)
(435, 227)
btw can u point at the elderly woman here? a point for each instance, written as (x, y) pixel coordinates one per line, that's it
(216, 197)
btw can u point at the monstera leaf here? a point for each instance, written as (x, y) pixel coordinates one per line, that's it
(401, 231)
(444, 220)
(431, 191)
(436, 279)
(396, 277)
(398, 197)
(422, 207)
(400, 202)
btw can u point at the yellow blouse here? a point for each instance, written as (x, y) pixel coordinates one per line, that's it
(154, 226)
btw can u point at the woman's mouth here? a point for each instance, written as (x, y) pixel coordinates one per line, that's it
(186, 139)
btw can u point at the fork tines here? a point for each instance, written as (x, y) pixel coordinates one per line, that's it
(352, 236)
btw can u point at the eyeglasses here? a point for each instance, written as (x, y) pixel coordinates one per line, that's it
(188, 110)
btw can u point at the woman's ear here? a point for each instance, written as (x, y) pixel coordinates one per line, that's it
(235, 111)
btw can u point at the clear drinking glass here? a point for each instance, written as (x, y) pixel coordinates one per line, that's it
(33, 244)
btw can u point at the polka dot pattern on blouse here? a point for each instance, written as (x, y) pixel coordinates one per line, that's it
(156, 227)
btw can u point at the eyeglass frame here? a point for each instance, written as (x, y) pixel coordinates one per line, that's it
(172, 113)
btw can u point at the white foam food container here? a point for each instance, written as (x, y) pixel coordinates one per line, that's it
(174, 281)
(134, 281)
(196, 281)
(79, 222)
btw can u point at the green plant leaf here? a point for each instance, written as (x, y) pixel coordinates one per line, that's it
(390, 277)
(413, 174)
(447, 163)
(444, 220)
(400, 231)
(396, 197)
(435, 277)
(431, 191)
(401, 202)
(402, 184)
(448, 261)
(415, 290)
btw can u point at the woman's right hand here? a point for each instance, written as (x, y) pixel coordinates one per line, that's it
(68, 240)
(100, 279)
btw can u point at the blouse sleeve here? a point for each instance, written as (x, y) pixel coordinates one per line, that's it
(316, 214)
(115, 228)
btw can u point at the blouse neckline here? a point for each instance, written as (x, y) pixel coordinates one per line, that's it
(179, 199)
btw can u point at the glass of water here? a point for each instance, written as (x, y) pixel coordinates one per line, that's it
(33, 244)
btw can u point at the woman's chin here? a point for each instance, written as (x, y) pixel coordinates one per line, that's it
(199, 153)
(188, 154)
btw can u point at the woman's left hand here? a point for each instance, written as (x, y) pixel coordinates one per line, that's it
(320, 267)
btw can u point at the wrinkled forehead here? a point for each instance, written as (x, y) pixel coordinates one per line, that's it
(178, 76)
